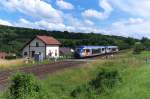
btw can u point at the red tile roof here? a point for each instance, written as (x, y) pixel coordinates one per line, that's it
(49, 40)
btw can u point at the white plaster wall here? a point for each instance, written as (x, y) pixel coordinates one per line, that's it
(37, 50)
(33, 43)
(52, 49)
(33, 47)
(108, 50)
(26, 49)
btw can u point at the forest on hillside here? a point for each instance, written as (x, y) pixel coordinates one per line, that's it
(12, 39)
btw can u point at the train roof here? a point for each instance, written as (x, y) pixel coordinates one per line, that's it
(112, 46)
(91, 47)
(97, 47)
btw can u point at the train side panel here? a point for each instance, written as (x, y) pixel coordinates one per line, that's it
(87, 51)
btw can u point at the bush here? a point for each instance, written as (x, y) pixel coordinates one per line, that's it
(104, 80)
(24, 86)
(80, 89)
(138, 47)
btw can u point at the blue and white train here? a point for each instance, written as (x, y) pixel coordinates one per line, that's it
(89, 51)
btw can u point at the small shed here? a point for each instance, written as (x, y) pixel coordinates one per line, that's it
(65, 51)
(3, 55)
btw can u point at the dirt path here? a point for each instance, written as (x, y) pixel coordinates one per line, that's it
(39, 71)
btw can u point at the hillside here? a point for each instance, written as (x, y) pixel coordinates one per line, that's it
(12, 39)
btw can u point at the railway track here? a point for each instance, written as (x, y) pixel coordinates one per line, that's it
(41, 71)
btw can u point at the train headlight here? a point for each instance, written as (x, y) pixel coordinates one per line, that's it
(82, 54)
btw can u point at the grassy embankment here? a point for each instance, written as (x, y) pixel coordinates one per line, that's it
(134, 71)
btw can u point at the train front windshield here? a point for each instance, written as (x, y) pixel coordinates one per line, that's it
(79, 50)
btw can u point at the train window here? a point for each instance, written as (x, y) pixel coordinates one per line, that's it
(99, 50)
(96, 51)
(103, 49)
(87, 50)
(79, 50)
(114, 49)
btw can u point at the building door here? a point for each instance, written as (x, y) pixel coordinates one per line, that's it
(32, 53)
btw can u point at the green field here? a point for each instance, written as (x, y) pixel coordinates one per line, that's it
(134, 71)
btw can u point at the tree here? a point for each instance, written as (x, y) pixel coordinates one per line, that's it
(146, 43)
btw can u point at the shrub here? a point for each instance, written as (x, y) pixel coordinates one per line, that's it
(24, 86)
(138, 47)
(104, 80)
(80, 89)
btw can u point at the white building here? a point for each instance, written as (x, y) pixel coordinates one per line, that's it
(46, 46)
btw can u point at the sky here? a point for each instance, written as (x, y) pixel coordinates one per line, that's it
(129, 18)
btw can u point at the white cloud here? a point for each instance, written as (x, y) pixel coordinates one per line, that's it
(89, 22)
(85, 26)
(106, 6)
(134, 7)
(74, 25)
(133, 27)
(4, 22)
(25, 23)
(64, 5)
(35, 8)
(91, 13)
(46, 17)
(41, 24)
(50, 26)
(130, 21)
(135, 21)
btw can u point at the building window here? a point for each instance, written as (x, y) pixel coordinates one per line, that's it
(103, 49)
(55, 52)
(25, 53)
(37, 44)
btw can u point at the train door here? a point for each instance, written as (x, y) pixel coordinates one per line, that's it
(110, 50)
(103, 50)
(87, 52)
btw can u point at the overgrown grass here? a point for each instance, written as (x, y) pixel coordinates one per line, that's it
(134, 71)
(6, 64)
(17, 63)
